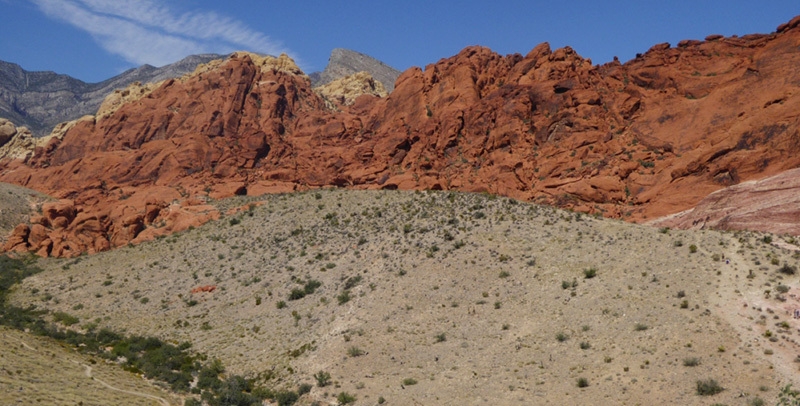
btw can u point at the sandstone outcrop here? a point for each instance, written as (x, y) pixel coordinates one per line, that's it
(770, 205)
(345, 91)
(637, 141)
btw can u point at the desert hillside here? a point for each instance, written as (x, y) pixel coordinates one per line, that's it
(452, 298)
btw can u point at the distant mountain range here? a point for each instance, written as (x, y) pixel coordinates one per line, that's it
(40, 100)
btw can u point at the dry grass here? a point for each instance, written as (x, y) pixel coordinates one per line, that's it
(35, 370)
(428, 265)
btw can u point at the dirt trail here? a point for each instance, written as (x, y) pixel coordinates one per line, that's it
(743, 304)
(88, 372)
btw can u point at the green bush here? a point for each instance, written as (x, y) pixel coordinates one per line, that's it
(708, 387)
(786, 269)
(345, 398)
(409, 381)
(582, 382)
(297, 294)
(691, 362)
(352, 282)
(355, 351)
(561, 337)
(590, 273)
(311, 286)
(323, 378)
(286, 398)
(343, 297)
(788, 397)
(65, 319)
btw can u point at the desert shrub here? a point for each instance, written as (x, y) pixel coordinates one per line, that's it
(561, 337)
(286, 398)
(303, 389)
(280, 304)
(65, 318)
(504, 274)
(585, 345)
(590, 273)
(767, 239)
(343, 297)
(684, 304)
(441, 337)
(234, 221)
(345, 398)
(756, 401)
(323, 378)
(708, 387)
(582, 382)
(311, 286)
(565, 284)
(640, 327)
(782, 288)
(409, 381)
(352, 282)
(297, 294)
(788, 397)
(691, 362)
(355, 351)
(786, 269)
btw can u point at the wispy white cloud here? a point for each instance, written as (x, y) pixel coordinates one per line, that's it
(143, 31)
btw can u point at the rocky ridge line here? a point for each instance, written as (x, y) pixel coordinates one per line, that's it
(636, 141)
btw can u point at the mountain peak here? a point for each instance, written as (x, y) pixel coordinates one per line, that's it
(345, 62)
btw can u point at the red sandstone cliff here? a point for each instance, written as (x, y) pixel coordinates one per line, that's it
(645, 139)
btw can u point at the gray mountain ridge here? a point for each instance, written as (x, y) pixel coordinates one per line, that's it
(40, 100)
(345, 62)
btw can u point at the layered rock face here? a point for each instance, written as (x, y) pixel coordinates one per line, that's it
(771, 205)
(636, 141)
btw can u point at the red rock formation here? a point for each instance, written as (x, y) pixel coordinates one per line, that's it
(641, 140)
(771, 204)
(205, 288)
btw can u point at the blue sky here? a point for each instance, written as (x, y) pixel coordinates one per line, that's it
(96, 39)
